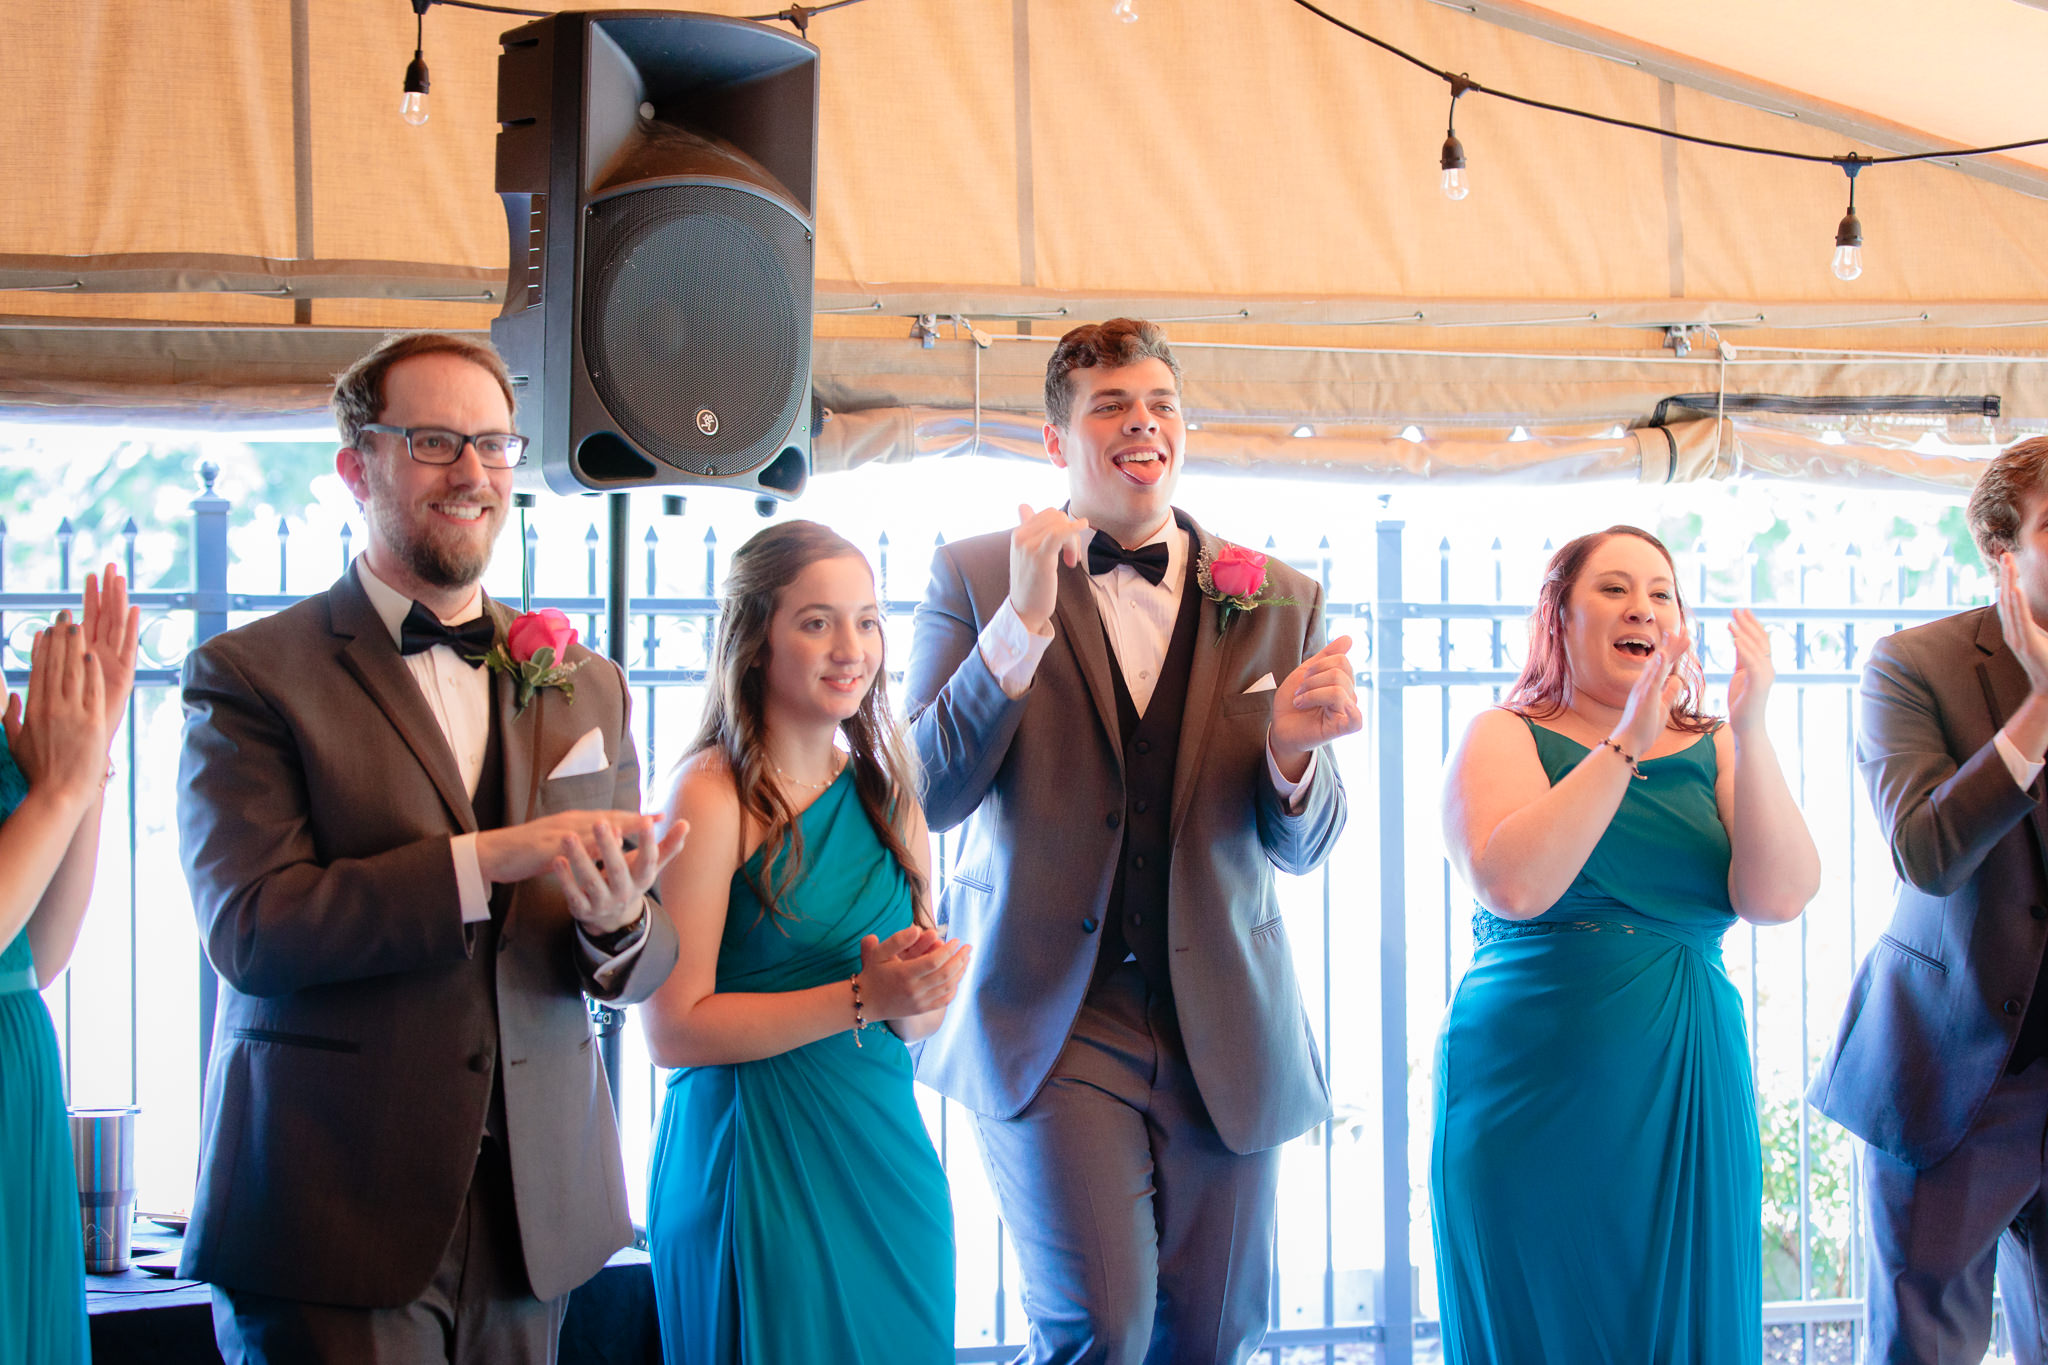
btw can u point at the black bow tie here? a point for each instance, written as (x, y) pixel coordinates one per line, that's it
(1105, 554)
(422, 630)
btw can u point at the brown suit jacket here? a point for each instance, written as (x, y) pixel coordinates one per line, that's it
(358, 1029)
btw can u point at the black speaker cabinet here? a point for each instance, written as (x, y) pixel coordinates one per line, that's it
(659, 173)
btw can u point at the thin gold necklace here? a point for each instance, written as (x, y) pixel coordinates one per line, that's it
(809, 786)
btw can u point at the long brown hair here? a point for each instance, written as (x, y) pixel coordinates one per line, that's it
(1546, 678)
(735, 725)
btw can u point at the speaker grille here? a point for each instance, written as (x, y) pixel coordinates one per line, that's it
(696, 301)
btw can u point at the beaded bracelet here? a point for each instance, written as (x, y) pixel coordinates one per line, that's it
(1627, 758)
(859, 1019)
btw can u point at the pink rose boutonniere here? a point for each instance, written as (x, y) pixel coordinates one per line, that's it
(1234, 578)
(531, 652)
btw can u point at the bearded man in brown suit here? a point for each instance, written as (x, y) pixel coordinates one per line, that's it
(408, 882)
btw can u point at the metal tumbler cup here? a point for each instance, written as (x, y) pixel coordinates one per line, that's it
(103, 1146)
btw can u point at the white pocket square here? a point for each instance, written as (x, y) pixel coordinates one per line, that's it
(1265, 684)
(585, 756)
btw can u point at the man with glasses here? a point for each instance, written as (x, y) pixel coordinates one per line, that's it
(407, 883)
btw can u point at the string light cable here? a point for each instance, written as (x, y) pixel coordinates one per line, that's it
(799, 16)
(489, 9)
(412, 107)
(1848, 259)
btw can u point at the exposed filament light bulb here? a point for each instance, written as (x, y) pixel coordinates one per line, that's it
(1847, 263)
(1454, 185)
(412, 106)
(1125, 10)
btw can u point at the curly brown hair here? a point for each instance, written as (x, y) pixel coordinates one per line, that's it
(1113, 344)
(359, 390)
(2017, 473)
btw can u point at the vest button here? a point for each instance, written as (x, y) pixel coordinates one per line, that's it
(1144, 746)
(1112, 819)
(1088, 925)
(2012, 1007)
(1138, 861)
(1140, 807)
(480, 1062)
(1137, 918)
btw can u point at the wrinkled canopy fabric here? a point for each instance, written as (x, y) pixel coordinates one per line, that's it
(212, 206)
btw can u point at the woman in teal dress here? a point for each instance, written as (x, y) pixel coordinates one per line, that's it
(53, 767)
(1596, 1175)
(796, 1210)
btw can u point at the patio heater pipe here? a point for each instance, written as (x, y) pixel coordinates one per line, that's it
(616, 596)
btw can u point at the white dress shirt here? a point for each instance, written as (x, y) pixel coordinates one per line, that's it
(1138, 616)
(2016, 763)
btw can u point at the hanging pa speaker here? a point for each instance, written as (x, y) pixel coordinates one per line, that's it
(659, 172)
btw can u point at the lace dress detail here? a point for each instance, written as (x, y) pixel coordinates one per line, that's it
(1488, 927)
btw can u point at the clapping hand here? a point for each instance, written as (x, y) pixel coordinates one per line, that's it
(59, 737)
(112, 629)
(1041, 543)
(911, 972)
(1754, 673)
(2023, 634)
(1648, 709)
(1316, 703)
(603, 883)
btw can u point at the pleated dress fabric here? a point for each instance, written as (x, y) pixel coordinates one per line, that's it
(42, 1250)
(797, 1211)
(1596, 1178)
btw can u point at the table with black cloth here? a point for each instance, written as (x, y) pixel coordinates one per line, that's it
(141, 1319)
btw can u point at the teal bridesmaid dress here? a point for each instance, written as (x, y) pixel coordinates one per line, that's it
(796, 1210)
(42, 1251)
(1596, 1181)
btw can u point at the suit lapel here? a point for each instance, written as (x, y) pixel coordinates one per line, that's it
(2005, 687)
(367, 652)
(518, 736)
(1080, 624)
(1204, 672)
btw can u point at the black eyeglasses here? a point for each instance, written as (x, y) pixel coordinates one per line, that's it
(438, 445)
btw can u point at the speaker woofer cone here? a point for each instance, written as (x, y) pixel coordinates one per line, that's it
(695, 315)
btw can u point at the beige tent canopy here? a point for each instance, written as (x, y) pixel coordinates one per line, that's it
(214, 205)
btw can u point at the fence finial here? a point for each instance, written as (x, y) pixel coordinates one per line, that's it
(208, 472)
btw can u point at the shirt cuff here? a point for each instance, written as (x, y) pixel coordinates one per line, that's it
(470, 886)
(1011, 651)
(607, 969)
(1292, 794)
(2016, 763)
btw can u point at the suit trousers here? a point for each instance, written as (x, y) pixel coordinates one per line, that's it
(1140, 1236)
(1936, 1235)
(477, 1310)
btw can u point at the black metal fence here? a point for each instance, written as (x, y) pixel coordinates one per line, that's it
(1381, 932)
